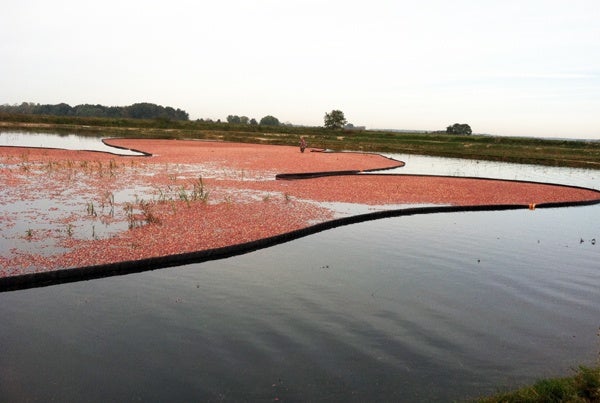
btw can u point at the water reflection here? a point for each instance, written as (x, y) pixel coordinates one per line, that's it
(418, 164)
(66, 142)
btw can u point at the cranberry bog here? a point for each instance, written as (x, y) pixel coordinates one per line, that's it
(70, 214)
(467, 286)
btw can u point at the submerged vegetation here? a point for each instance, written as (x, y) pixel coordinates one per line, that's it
(567, 153)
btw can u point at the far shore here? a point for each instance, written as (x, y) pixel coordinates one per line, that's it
(527, 150)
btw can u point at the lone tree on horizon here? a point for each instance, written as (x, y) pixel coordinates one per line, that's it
(335, 119)
(459, 128)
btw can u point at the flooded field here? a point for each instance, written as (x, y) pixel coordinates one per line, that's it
(433, 307)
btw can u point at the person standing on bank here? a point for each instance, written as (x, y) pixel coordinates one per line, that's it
(302, 144)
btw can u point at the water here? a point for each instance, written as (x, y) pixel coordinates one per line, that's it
(67, 142)
(421, 308)
(418, 164)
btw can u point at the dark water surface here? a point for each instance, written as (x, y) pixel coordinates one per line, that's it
(422, 308)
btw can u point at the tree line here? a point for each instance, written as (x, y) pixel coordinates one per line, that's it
(143, 110)
(334, 120)
(244, 120)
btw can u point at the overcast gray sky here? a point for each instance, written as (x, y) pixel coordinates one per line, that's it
(511, 67)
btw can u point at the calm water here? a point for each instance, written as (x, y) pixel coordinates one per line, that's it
(421, 308)
(66, 141)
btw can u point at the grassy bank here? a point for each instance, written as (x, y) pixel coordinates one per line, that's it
(567, 153)
(582, 387)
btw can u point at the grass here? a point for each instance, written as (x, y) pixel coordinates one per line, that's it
(91, 210)
(142, 212)
(582, 387)
(199, 191)
(567, 153)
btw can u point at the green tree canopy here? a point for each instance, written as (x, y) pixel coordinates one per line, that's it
(233, 119)
(269, 121)
(460, 129)
(142, 110)
(335, 119)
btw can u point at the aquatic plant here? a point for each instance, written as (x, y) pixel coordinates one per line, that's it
(91, 210)
(198, 191)
(112, 167)
(110, 198)
(129, 213)
(25, 166)
(183, 195)
(146, 216)
(162, 195)
(148, 213)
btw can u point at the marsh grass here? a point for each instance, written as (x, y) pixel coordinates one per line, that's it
(199, 192)
(148, 215)
(582, 387)
(70, 169)
(109, 198)
(130, 214)
(141, 212)
(183, 195)
(195, 192)
(91, 209)
(24, 164)
(112, 167)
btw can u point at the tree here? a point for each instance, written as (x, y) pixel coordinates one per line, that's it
(143, 110)
(89, 110)
(233, 119)
(269, 121)
(459, 129)
(253, 122)
(335, 119)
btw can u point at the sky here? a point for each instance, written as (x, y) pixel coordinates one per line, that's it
(511, 67)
